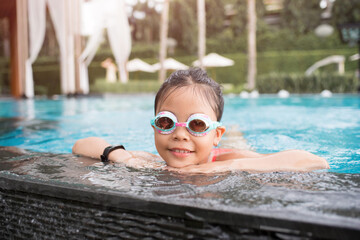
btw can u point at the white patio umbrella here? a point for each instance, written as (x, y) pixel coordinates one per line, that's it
(170, 64)
(354, 57)
(137, 64)
(214, 60)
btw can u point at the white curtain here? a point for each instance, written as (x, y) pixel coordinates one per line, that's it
(90, 17)
(87, 56)
(37, 27)
(118, 30)
(112, 16)
(109, 14)
(61, 15)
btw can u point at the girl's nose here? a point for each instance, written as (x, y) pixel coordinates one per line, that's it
(181, 133)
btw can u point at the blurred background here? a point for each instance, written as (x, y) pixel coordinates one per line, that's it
(271, 46)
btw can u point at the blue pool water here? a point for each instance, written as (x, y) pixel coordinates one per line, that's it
(329, 127)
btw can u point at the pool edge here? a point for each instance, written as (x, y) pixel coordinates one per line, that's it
(191, 215)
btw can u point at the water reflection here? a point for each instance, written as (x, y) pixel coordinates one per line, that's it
(19, 131)
(26, 108)
(311, 195)
(325, 127)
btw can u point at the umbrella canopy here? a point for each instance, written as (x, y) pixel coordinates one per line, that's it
(171, 64)
(214, 60)
(137, 64)
(354, 57)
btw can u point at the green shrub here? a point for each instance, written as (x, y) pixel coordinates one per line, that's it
(144, 50)
(138, 50)
(102, 86)
(299, 61)
(299, 83)
(4, 76)
(273, 39)
(278, 61)
(286, 40)
(46, 78)
(226, 43)
(46, 70)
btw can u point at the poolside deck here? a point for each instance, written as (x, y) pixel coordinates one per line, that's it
(32, 206)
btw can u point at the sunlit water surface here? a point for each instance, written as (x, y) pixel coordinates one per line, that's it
(329, 127)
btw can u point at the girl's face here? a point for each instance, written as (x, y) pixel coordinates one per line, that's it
(180, 148)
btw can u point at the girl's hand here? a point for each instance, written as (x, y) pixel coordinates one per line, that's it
(139, 159)
(287, 161)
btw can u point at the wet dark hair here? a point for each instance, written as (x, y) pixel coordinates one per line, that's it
(201, 83)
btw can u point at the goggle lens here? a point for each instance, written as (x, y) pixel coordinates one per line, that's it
(198, 126)
(164, 123)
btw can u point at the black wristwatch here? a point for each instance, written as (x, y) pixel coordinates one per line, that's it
(108, 150)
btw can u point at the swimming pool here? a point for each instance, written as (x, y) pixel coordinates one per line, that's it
(329, 127)
(46, 192)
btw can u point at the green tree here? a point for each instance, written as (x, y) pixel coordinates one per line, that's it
(239, 20)
(146, 29)
(183, 24)
(215, 17)
(346, 11)
(302, 16)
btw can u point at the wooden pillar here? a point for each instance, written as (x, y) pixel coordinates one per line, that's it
(19, 47)
(77, 45)
(251, 76)
(163, 39)
(69, 49)
(202, 31)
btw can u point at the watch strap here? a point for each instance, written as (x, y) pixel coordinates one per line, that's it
(108, 150)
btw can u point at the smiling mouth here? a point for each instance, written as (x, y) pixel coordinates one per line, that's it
(180, 151)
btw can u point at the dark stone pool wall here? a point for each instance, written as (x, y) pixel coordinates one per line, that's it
(32, 209)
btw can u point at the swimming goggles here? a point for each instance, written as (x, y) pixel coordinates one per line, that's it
(197, 124)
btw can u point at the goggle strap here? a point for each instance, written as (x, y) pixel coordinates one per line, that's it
(180, 124)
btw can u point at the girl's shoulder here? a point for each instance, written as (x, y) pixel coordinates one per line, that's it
(217, 152)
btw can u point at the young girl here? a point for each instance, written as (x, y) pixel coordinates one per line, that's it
(188, 109)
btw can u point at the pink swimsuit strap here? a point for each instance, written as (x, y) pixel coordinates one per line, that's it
(218, 151)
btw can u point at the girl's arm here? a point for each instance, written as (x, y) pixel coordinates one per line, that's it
(93, 147)
(287, 161)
